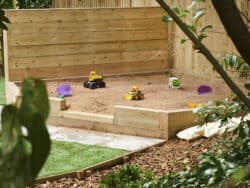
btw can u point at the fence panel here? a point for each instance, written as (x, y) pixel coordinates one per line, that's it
(91, 3)
(57, 43)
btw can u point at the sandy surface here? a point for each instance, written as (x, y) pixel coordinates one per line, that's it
(155, 88)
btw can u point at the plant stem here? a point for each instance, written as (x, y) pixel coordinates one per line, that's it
(202, 49)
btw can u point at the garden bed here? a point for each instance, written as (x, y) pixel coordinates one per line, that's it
(155, 88)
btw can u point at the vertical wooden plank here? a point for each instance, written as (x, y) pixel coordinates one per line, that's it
(179, 120)
(6, 56)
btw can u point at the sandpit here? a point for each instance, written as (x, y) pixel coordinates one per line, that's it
(155, 88)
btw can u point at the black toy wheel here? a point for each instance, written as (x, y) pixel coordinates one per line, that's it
(85, 84)
(103, 84)
(93, 85)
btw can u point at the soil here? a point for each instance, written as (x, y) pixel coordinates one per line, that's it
(173, 156)
(155, 88)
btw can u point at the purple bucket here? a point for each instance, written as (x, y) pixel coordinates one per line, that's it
(64, 90)
(204, 89)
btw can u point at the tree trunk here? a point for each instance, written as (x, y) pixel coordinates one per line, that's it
(234, 25)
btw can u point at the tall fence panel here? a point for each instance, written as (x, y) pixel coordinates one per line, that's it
(186, 60)
(103, 3)
(57, 43)
(91, 3)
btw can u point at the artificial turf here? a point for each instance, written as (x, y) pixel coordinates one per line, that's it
(2, 91)
(66, 157)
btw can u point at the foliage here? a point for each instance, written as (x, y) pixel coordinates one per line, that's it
(223, 168)
(7, 4)
(193, 17)
(236, 63)
(25, 4)
(128, 176)
(222, 110)
(3, 20)
(24, 140)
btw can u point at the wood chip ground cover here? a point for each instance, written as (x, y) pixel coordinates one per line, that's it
(170, 157)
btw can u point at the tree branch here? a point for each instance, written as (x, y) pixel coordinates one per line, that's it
(202, 49)
(234, 25)
(245, 17)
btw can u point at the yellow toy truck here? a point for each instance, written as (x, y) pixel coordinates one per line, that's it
(94, 81)
(134, 94)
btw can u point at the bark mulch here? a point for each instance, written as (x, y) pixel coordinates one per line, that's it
(173, 156)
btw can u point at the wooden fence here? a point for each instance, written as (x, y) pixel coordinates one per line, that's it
(189, 62)
(57, 43)
(102, 3)
(91, 3)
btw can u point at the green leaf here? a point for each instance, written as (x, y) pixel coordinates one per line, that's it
(34, 100)
(247, 86)
(201, 37)
(176, 9)
(167, 18)
(3, 26)
(184, 13)
(21, 157)
(40, 141)
(218, 103)
(209, 172)
(192, 28)
(184, 40)
(11, 128)
(206, 28)
(3, 18)
(15, 155)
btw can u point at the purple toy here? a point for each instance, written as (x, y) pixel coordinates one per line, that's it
(64, 90)
(203, 89)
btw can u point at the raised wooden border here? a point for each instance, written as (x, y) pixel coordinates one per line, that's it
(130, 120)
(125, 120)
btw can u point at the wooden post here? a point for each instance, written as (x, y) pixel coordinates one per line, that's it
(5, 56)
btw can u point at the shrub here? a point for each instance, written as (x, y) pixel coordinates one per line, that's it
(128, 176)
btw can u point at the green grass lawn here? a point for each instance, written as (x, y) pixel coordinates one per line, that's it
(2, 91)
(66, 157)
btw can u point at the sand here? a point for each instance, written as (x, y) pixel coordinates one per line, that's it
(155, 88)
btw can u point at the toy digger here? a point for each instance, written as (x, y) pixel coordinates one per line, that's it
(134, 94)
(94, 81)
